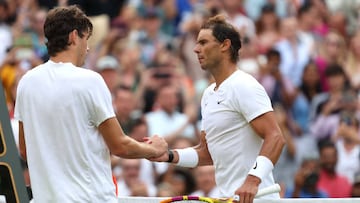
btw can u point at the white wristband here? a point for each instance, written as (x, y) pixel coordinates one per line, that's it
(262, 167)
(188, 157)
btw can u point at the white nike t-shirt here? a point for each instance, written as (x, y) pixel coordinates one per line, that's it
(61, 106)
(232, 143)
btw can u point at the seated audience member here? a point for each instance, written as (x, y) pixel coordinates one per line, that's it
(355, 189)
(306, 180)
(335, 185)
(108, 67)
(205, 182)
(130, 183)
(347, 147)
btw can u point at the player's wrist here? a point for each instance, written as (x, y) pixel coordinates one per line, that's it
(187, 157)
(262, 167)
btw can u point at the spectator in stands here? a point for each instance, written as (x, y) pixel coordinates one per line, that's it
(326, 106)
(267, 28)
(5, 30)
(355, 189)
(138, 130)
(36, 32)
(334, 184)
(124, 102)
(294, 49)
(131, 70)
(166, 120)
(152, 39)
(279, 88)
(306, 180)
(249, 60)
(244, 24)
(303, 97)
(181, 179)
(348, 149)
(130, 183)
(352, 65)
(108, 67)
(286, 166)
(205, 182)
(331, 50)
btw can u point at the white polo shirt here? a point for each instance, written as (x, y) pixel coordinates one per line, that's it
(232, 143)
(61, 106)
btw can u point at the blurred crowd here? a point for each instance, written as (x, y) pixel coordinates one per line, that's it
(306, 54)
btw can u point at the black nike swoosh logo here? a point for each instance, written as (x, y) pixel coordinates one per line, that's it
(255, 166)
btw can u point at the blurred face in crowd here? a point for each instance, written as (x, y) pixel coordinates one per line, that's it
(355, 44)
(311, 75)
(152, 25)
(130, 169)
(168, 99)
(336, 82)
(309, 17)
(178, 183)
(328, 159)
(334, 43)
(124, 102)
(111, 78)
(38, 21)
(289, 28)
(139, 132)
(310, 168)
(205, 178)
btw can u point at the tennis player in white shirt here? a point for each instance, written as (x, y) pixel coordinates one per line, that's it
(67, 124)
(239, 134)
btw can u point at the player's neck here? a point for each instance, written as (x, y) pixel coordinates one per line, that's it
(65, 57)
(223, 73)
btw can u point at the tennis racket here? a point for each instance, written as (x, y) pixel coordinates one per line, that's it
(265, 191)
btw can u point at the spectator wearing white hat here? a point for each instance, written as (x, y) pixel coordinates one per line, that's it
(108, 67)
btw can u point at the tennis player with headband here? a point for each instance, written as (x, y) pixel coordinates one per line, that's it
(239, 136)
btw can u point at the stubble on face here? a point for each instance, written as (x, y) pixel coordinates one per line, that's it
(207, 50)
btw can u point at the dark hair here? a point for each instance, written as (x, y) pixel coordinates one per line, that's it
(273, 52)
(305, 88)
(326, 143)
(223, 30)
(59, 22)
(334, 69)
(306, 7)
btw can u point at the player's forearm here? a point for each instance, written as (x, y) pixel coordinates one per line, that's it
(130, 148)
(272, 146)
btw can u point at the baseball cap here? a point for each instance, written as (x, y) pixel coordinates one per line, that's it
(107, 62)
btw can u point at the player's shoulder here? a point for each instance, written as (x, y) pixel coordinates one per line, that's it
(86, 74)
(242, 79)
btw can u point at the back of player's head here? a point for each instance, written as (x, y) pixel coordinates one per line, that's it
(61, 21)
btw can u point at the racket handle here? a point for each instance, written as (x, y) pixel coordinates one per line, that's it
(268, 190)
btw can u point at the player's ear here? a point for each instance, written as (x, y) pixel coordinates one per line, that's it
(73, 35)
(225, 45)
